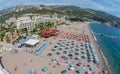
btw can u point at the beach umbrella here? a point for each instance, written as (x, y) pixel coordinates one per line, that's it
(72, 44)
(77, 46)
(60, 49)
(72, 47)
(72, 68)
(91, 68)
(58, 53)
(68, 62)
(64, 71)
(60, 40)
(71, 51)
(76, 49)
(63, 42)
(89, 57)
(45, 69)
(77, 58)
(83, 50)
(64, 56)
(62, 45)
(50, 54)
(30, 72)
(58, 43)
(96, 60)
(84, 57)
(70, 55)
(65, 51)
(66, 48)
(89, 60)
(55, 46)
(67, 44)
(95, 55)
(77, 53)
(78, 64)
(71, 65)
(53, 49)
(79, 70)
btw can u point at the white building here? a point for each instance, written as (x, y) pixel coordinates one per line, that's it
(11, 20)
(25, 24)
(31, 42)
(29, 20)
(36, 37)
(46, 18)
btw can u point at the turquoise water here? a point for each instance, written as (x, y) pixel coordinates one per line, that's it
(109, 46)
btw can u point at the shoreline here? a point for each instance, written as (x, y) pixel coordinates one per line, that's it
(105, 62)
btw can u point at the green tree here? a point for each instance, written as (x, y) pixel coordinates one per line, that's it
(7, 40)
(18, 31)
(2, 35)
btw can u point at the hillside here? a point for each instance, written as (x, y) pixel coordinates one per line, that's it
(72, 11)
(75, 11)
(19, 10)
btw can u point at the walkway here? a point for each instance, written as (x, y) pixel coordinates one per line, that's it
(42, 49)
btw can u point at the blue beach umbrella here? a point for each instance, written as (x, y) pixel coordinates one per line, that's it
(30, 71)
(79, 71)
(91, 67)
(68, 62)
(58, 53)
(45, 69)
(64, 71)
(78, 57)
(53, 49)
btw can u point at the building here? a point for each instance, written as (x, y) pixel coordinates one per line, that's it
(36, 37)
(10, 20)
(31, 42)
(29, 20)
(47, 18)
(25, 24)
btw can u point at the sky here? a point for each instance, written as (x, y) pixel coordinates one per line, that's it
(110, 6)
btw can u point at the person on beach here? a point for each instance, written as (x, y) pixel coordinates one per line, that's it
(49, 63)
(15, 68)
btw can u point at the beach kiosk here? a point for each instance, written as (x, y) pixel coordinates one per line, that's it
(31, 42)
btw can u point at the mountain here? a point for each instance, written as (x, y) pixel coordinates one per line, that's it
(72, 11)
(75, 11)
(23, 9)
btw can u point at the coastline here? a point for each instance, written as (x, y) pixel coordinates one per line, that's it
(104, 59)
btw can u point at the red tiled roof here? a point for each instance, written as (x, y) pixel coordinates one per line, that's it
(49, 32)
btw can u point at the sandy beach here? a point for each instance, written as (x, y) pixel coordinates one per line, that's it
(22, 62)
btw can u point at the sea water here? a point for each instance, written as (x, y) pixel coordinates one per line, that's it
(109, 45)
